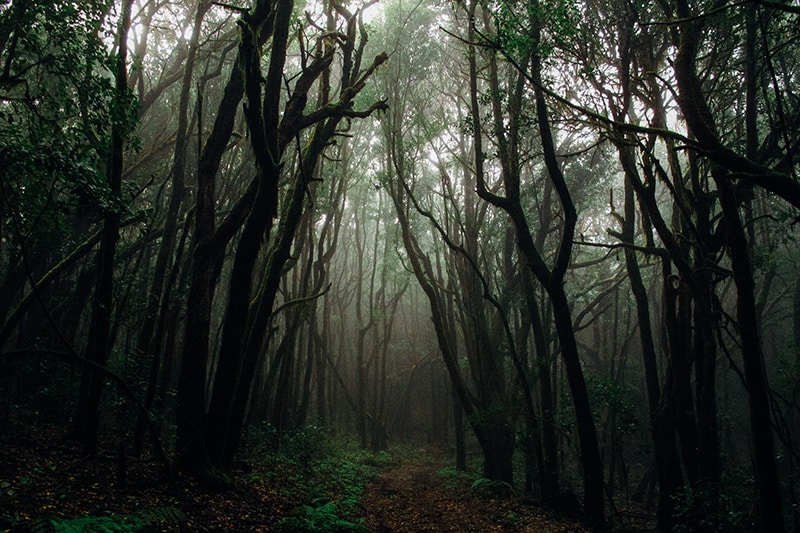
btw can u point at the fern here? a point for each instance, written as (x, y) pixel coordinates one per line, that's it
(162, 516)
(97, 524)
(491, 488)
(36, 525)
(322, 519)
(8, 514)
(131, 523)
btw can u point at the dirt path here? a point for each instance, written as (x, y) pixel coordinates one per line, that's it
(415, 497)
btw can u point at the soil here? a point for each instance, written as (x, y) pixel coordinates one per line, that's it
(42, 478)
(421, 497)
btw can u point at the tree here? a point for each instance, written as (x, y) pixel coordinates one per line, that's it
(100, 339)
(551, 278)
(271, 134)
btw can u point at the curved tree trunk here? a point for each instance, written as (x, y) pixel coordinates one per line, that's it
(206, 262)
(551, 279)
(262, 119)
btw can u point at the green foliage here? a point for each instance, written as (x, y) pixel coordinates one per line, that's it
(491, 488)
(326, 473)
(59, 104)
(321, 519)
(511, 519)
(515, 22)
(141, 522)
(306, 444)
(455, 478)
(697, 511)
(623, 400)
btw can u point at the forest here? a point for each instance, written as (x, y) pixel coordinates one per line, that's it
(290, 265)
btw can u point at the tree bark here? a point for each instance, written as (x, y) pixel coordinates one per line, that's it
(86, 420)
(262, 120)
(668, 467)
(150, 342)
(206, 261)
(551, 279)
(768, 486)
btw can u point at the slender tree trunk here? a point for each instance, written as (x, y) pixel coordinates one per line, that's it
(86, 420)
(551, 279)
(150, 339)
(768, 486)
(550, 482)
(667, 461)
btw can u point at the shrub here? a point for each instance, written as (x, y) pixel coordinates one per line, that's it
(696, 510)
(143, 521)
(492, 488)
(320, 519)
(326, 475)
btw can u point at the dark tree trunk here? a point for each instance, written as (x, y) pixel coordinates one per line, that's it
(593, 492)
(551, 279)
(206, 261)
(677, 301)
(459, 433)
(150, 338)
(550, 478)
(668, 467)
(262, 119)
(242, 352)
(86, 420)
(497, 442)
(768, 486)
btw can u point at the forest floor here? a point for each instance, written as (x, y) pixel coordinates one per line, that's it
(46, 485)
(422, 496)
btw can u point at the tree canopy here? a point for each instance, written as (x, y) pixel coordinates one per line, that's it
(558, 234)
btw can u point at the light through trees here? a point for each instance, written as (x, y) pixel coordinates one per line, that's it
(554, 239)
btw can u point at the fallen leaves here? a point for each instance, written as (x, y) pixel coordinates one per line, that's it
(41, 478)
(415, 497)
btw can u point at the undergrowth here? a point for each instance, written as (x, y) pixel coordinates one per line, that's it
(454, 478)
(326, 474)
(144, 521)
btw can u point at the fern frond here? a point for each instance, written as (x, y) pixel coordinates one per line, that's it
(162, 516)
(131, 523)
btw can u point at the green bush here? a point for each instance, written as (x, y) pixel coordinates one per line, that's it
(491, 488)
(320, 519)
(697, 511)
(454, 478)
(326, 475)
(141, 522)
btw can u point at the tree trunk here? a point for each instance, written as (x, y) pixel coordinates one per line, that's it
(551, 279)
(262, 120)
(150, 339)
(768, 486)
(207, 255)
(550, 478)
(668, 468)
(86, 420)
(459, 433)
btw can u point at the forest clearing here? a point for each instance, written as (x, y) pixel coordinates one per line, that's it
(255, 253)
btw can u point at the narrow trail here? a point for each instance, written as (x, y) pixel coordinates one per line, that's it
(416, 497)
